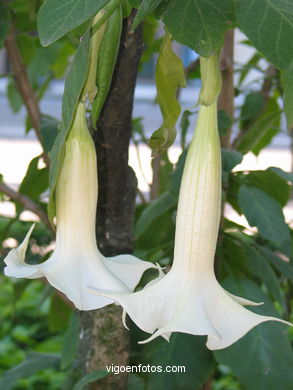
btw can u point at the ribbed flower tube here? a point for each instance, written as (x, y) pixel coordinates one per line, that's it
(76, 262)
(189, 299)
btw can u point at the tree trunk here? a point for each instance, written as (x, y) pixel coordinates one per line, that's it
(103, 340)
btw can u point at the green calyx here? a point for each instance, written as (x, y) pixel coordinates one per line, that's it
(211, 79)
(90, 87)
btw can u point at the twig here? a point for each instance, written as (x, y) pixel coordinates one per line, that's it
(28, 204)
(25, 89)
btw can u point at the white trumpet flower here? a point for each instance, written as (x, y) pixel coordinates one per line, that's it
(189, 299)
(76, 262)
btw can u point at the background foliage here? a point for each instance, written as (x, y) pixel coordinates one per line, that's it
(39, 331)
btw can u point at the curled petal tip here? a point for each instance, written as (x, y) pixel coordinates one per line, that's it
(15, 261)
(243, 301)
(160, 332)
(124, 319)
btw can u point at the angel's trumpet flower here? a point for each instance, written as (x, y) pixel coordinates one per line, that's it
(76, 261)
(189, 299)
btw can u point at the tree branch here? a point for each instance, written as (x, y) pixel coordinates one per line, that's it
(25, 89)
(28, 204)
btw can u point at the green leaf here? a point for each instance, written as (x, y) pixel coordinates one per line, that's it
(251, 108)
(59, 314)
(267, 137)
(260, 133)
(89, 378)
(263, 358)
(169, 76)
(200, 24)
(287, 78)
(135, 382)
(176, 175)
(160, 233)
(135, 3)
(55, 18)
(285, 175)
(230, 158)
(184, 350)
(164, 171)
(27, 47)
(283, 266)
(233, 254)
(4, 22)
(49, 130)
(232, 191)
(224, 122)
(40, 65)
(14, 98)
(268, 24)
(33, 363)
(250, 65)
(271, 183)
(73, 87)
(62, 59)
(261, 268)
(158, 207)
(146, 7)
(70, 343)
(262, 211)
(75, 81)
(106, 61)
(36, 180)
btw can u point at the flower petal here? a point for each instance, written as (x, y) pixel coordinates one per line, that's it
(243, 301)
(204, 309)
(128, 268)
(15, 264)
(231, 320)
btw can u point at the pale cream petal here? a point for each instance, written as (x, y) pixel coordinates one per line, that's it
(15, 264)
(203, 309)
(243, 301)
(128, 268)
(151, 308)
(124, 319)
(231, 320)
(71, 272)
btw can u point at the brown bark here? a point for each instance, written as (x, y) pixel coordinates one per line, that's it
(104, 341)
(23, 85)
(226, 98)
